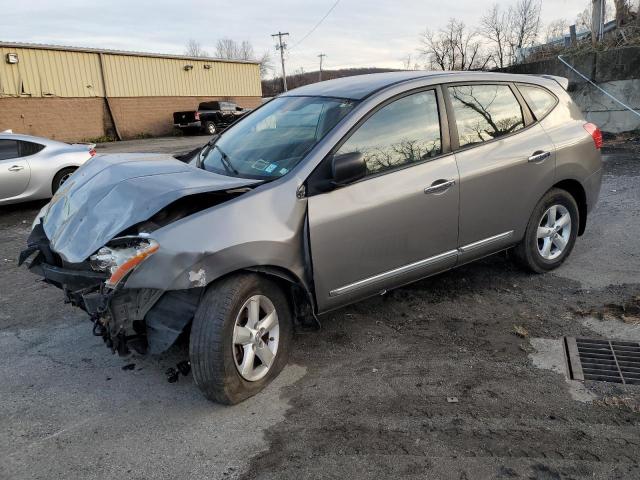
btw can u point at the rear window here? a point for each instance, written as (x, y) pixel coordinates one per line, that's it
(209, 106)
(485, 112)
(539, 100)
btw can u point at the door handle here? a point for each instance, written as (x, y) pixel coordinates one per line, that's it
(16, 168)
(439, 186)
(538, 156)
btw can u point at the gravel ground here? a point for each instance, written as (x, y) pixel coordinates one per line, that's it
(429, 381)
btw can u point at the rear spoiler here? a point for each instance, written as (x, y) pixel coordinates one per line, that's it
(88, 146)
(562, 81)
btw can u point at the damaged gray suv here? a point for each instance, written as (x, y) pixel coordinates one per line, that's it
(324, 196)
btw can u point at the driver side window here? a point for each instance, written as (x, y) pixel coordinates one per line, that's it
(8, 149)
(403, 132)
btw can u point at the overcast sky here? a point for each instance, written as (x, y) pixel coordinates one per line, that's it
(356, 33)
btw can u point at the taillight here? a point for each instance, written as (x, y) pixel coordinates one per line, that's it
(92, 152)
(197, 116)
(595, 133)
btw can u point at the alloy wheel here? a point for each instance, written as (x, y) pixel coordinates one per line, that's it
(554, 232)
(256, 334)
(64, 178)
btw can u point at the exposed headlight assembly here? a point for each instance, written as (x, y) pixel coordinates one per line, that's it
(122, 256)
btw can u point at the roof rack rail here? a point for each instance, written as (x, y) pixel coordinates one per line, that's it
(562, 81)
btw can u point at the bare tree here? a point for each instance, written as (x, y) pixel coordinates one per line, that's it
(556, 29)
(453, 48)
(194, 49)
(266, 64)
(524, 20)
(583, 20)
(495, 27)
(623, 10)
(406, 62)
(229, 49)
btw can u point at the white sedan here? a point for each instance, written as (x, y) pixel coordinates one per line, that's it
(33, 168)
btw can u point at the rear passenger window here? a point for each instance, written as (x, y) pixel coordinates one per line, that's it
(485, 112)
(539, 100)
(402, 132)
(29, 148)
(8, 149)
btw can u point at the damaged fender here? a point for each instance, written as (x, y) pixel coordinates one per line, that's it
(221, 240)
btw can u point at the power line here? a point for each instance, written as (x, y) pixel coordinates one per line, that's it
(315, 26)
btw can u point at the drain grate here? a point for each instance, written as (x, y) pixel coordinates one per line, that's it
(603, 360)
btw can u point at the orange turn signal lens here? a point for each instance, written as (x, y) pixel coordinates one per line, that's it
(132, 263)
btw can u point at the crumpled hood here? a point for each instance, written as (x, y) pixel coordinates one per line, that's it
(113, 192)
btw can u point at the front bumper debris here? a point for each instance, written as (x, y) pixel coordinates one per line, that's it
(118, 314)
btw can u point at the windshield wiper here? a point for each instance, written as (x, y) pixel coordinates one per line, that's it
(206, 149)
(226, 161)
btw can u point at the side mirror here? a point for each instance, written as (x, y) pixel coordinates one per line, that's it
(347, 168)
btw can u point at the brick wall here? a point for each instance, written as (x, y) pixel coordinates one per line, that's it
(66, 119)
(154, 115)
(77, 119)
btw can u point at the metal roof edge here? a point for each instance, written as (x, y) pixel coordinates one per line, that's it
(65, 48)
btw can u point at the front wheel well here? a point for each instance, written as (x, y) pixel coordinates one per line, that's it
(300, 297)
(576, 190)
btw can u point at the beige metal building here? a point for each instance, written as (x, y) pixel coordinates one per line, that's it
(77, 94)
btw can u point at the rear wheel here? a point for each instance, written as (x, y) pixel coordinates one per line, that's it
(61, 177)
(240, 338)
(551, 232)
(210, 128)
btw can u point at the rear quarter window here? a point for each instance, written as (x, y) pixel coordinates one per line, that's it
(539, 100)
(29, 148)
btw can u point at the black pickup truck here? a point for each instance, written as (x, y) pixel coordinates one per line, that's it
(211, 117)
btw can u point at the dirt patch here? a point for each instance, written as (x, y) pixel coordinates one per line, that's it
(628, 312)
(627, 403)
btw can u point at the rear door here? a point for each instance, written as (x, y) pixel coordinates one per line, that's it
(400, 222)
(14, 170)
(506, 163)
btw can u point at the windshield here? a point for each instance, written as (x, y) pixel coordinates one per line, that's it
(271, 141)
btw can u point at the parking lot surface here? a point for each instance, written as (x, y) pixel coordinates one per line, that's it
(458, 376)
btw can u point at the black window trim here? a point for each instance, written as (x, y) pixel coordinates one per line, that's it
(445, 137)
(534, 85)
(528, 117)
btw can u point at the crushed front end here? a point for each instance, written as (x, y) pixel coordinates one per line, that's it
(142, 319)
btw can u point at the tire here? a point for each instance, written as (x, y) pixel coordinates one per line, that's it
(216, 358)
(210, 128)
(60, 178)
(545, 253)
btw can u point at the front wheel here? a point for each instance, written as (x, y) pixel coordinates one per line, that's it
(551, 232)
(240, 338)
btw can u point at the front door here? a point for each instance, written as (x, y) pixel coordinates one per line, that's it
(506, 164)
(400, 222)
(14, 171)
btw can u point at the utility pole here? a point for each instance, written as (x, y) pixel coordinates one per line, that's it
(322, 55)
(281, 46)
(597, 20)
